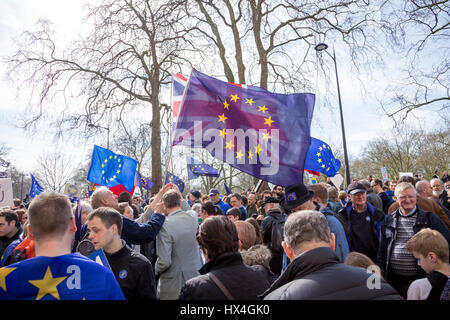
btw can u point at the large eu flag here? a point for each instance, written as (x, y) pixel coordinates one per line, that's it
(197, 168)
(171, 178)
(110, 169)
(264, 134)
(35, 188)
(320, 158)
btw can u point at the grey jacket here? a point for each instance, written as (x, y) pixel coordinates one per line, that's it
(178, 253)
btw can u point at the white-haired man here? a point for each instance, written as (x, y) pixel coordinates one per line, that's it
(398, 265)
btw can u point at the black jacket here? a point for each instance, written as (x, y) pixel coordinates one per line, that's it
(318, 275)
(134, 273)
(272, 232)
(5, 241)
(243, 282)
(389, 234)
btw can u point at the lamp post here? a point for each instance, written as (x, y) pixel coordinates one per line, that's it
(91, 125)
(322, 47)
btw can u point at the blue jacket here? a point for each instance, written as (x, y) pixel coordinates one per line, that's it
(137, 233)
(337, 228)
(223, 206)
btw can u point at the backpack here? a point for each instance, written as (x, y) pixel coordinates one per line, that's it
(277, 236)
(23, 251)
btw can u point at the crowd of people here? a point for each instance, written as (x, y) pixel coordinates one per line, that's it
(289, 243)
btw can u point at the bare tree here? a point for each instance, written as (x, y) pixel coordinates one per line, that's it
(422, 27)
(54, 170)
(116, 69)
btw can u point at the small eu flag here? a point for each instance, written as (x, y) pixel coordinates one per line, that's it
(110, 169)
(320, 158)
(141, 181)
(35, 189)
(196, 169)
(171, 178)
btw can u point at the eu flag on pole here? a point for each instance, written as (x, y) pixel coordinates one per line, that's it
(35, 188)
(227, 189)
(320, 158)
(197, 168)
(176, 180)
(141, 181)
(264, 134)
(110, 169)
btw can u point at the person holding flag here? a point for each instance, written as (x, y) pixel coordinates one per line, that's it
(56, 273)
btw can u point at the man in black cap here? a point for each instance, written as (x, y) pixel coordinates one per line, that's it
(194, 197)
(362, 222)
(272, 232)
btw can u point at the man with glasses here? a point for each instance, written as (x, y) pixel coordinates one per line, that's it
(397, 263)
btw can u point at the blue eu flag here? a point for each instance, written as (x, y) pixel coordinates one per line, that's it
(320, 158)
(196, 169)
(110, 169)
(171, 178)
(35, 189)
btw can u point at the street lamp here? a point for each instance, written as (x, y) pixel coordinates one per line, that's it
(323, 47)
(91, 125)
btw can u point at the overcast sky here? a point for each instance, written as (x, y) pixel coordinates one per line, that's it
(363, 118)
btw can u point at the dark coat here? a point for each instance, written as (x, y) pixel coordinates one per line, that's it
(5, 241)
(318, 275)
(389, 234)
(243, 282)
(272, 233)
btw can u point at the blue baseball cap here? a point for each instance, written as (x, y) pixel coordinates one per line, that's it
(213, 192)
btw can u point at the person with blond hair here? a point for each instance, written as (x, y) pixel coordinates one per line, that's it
(431, 250)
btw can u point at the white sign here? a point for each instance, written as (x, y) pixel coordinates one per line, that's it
(6, 193)
(408, 174)
(337, 180)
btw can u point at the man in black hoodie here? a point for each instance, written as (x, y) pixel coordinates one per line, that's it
(315, 271)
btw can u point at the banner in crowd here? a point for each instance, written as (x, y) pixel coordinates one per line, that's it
(384, 174)
(72, 190)
(264, 134)
(6, 192)
(320, 158)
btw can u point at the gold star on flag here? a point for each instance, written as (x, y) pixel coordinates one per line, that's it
(4, 272)
(222, 133)
(229, 145)
(319, 160)
(234, 97)
(268, 121)
(47, 285)
(226, 105)
(318, 154)
(323, 166)
(324, 145)
(257, 149)
(222, 118)
(266, 136)
(110, 157)
(263, 108)
(249, 101)
(320, 148)
(250, 154)
(239, 155)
